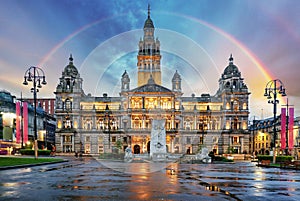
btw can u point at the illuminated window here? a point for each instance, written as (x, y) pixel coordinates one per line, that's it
(235, 140)
(201, 140)
(68, 104)
(68, 138)
(136, 104)
(100, 139)
(151, 105)
(100, 124)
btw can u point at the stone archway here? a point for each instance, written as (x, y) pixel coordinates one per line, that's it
(136, 149)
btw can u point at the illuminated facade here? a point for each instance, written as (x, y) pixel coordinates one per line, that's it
(103, 124)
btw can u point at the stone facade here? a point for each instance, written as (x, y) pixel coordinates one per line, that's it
(104, 124)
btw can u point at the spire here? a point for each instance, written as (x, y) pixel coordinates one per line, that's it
(148, 10)
(148, 22)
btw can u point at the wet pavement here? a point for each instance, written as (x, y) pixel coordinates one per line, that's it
(91, 179)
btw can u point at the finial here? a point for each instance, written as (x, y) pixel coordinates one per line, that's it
(148, 10)
(231, 59)
(71, 58)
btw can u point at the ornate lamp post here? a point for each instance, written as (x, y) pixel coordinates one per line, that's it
(37, 76)
(108, 116)
(273, 88)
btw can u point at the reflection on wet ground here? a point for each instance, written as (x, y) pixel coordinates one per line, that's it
(91, 179)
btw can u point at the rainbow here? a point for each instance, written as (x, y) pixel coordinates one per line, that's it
(253, 58)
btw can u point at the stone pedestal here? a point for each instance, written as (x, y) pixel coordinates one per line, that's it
(158, 148)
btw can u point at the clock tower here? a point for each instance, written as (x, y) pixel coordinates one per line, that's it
(149, 55)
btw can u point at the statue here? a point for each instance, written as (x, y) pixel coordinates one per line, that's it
(203, 156)
(128, 155)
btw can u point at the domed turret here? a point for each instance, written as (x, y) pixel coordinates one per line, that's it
(231, 70)
(125, 80)
(176, 82)
(70, 80)
(70, 69)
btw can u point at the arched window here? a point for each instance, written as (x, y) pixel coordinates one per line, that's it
(244, 106)
(235, 105)
(68, 104)
(235, 123)
(88, 124)
(100, 124)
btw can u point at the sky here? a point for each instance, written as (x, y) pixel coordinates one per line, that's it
(197, 38)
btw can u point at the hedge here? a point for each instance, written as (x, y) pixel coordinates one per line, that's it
(222, 158)
(279, 159)
(31, 152)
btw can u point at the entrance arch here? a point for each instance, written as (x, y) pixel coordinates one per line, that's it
(136, 149)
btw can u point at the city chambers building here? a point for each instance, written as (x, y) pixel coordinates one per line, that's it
(103, 124)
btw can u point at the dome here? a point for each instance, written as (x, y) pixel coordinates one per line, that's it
(70, 69)
(148, 23)
(231, 69)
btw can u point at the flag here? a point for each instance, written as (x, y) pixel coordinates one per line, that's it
(291, 128)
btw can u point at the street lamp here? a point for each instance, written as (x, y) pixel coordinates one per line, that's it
(273, 88)
(37, 76)
(107, 114)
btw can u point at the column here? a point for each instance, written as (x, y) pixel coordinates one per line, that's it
(195, 122)
(242, 144)
(73, 142)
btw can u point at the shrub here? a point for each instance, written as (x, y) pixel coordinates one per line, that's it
(279, 159)
(222, 158)
(31, 152)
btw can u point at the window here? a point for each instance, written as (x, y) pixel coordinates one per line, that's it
(235, 139)
(68, 122)
(113, 139)
(201, 140)
(100, 139)
(87, 138)
(188, 140)
(68, 104)
(100, 124)
(68, 138)
(136, 104)
(100, 149)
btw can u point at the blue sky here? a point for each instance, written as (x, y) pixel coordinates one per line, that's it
(197, 38)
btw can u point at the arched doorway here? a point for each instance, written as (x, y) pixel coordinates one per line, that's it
(148, 147)
(136, 149)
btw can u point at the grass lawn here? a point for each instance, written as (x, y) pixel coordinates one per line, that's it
(12, 161)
